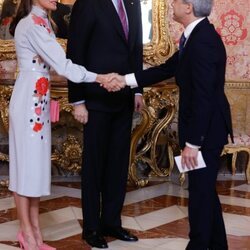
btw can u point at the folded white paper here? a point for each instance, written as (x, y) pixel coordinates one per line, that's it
(201, 163)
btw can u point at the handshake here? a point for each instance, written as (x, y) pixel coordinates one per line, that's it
(111, 82)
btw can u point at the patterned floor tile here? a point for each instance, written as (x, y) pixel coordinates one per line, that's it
(157, 214)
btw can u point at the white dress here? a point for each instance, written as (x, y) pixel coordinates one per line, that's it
(29, 110)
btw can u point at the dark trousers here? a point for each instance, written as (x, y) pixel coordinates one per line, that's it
(105, 168)
(207, 229)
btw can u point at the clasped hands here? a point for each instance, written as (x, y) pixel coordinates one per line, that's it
(111, 82)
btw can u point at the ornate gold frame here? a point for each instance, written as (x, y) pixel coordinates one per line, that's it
(161, 45)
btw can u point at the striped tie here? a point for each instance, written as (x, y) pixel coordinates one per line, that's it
(122, 15)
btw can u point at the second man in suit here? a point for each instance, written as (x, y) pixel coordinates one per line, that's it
(204, 115)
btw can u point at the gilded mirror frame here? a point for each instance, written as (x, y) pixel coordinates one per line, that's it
(155, 52)
(161, 46)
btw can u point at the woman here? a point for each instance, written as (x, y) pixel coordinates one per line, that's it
(29, 113)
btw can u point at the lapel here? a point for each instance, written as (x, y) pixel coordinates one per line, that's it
(199, 27)
(132, 15)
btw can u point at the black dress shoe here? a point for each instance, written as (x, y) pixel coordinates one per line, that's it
(119, 233)
(95, 239)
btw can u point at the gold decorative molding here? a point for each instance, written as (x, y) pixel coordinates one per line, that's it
(5, 94)
(161, 46)
(234, 150)
(63, 43)
(70, 157)
(4, 157)
(160, 108)
(4, 183)
(7, 50)
(238, 84)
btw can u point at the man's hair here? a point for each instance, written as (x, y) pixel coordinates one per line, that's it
(202, 8)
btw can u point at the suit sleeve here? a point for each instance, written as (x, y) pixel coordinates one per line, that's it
(204, 86)
(159, 73)
(139, 47)
(81, 23)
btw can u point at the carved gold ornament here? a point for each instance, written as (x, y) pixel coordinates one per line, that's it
(69, 158)
(159, 111)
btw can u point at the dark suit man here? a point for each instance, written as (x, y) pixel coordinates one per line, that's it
(204, 115)
(98, 41)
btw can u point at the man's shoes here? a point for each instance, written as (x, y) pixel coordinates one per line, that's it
(95, 239)
(119, 233)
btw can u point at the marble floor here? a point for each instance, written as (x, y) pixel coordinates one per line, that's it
(157, 214)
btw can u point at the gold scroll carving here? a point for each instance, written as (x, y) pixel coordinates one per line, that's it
(160, 108)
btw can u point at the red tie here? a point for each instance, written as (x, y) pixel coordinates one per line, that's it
(122, 15)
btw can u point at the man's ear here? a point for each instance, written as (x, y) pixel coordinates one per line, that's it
(189, 8)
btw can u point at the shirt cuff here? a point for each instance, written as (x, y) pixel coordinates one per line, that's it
(192, 146)
(131, 80)
(140, 94)
(90, 77)
(77, 103)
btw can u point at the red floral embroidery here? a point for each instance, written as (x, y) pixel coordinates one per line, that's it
(42, 86)
(38, 110)
(232, 31)
(37, 127)
(6, 21)
(40, 21)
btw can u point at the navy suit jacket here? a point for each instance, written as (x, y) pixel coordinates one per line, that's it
(204, 112)
(97, 41)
